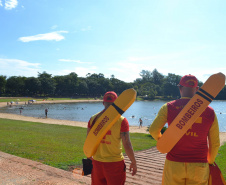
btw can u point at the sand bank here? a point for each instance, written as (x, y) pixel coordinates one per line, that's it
(4, 104)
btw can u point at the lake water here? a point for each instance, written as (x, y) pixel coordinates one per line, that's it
(147, 110)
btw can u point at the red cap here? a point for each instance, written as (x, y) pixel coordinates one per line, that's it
(188, 81)
(110, 96)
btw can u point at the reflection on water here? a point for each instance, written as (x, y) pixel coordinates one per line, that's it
(147, 110)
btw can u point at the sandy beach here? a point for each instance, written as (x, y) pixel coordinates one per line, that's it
(133, 129)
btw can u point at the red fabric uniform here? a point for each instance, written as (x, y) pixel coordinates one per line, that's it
(108, 173)
(192, 147)
(187, 162)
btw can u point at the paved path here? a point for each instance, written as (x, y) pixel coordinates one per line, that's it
(150, 167)
(19, 171)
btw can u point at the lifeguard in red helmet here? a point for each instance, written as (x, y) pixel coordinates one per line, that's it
(188, 162)
(108, 161)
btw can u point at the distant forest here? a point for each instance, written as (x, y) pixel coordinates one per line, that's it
(150, 85)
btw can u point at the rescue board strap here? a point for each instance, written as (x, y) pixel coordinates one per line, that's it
(120, 111)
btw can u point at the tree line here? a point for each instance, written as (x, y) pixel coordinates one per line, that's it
(150, 85)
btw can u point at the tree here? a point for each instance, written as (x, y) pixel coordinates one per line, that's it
(83, 88)
(148, 90)
(94, 87)
(98, 84)
(32, 86)
(119, 86)
(170, 85)
(2, 84)
(157, 77)
(146, 76)
(48, 85)
(66, 85)
(222, 94)
(16, 85)
(72, 83)
(60, 85)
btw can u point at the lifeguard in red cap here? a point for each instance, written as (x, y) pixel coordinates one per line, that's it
(108, 161)
(188, 162)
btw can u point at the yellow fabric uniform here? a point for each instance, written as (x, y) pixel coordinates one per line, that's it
(178, 173)
(110, 148)
(182, 173)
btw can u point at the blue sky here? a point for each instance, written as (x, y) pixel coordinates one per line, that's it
(113, 37)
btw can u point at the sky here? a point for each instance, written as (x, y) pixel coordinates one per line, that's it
(112, 37)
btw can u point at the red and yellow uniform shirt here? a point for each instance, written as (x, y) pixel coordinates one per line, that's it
(110, 148)
(193, 146)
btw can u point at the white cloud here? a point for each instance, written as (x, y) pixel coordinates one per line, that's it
(16, 67)
(80, 71)
(10, 4)
(83, 71)
(180, 63)
(1, 3)
(86, 29)
(47, 36)
(54, 27)
(75, 61)
(128, 71)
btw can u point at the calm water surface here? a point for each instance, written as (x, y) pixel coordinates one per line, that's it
(147, 110)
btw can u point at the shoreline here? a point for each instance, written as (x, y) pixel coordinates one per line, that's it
(133, 129)
(4, 104)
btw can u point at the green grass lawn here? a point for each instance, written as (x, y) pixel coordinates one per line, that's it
(141, 141)
(55, 145)
(15, 99)
(62, 146)
(221, 160)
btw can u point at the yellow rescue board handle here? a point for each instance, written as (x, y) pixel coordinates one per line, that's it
(193, 109)
(107, 120)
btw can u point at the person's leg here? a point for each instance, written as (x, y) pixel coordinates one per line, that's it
(115, 173)
(197, 173)
(174, 173)
(97, 175)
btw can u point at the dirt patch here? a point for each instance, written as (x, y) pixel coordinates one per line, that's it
(17, 171)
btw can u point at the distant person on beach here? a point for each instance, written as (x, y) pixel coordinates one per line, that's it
(141, 122)
(188, 162)
(108, 161)
(46, 112)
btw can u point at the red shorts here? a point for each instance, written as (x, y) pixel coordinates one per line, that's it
(108, 173)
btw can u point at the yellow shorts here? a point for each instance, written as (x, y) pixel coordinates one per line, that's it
(179, 173)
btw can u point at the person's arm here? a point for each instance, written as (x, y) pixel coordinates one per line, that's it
(88, 130)
(214, 141)
(158, 123)
(129, 151)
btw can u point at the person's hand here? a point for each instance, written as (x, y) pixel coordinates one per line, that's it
(133, 168)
